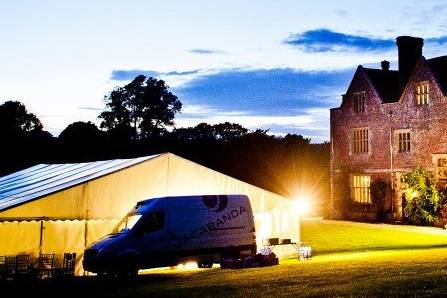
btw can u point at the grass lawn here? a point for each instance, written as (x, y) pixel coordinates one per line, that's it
(351, 259)
(328, 236)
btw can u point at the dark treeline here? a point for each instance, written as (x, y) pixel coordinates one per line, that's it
(135, 123)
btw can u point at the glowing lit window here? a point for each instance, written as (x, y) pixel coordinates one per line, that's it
(359, 102)
(441, 168)
(360, 140)
(360, 189)
(422, 94)
(404, 141)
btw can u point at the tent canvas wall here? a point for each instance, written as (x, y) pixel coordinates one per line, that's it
(64, 207)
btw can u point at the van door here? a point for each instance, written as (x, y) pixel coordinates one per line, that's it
(233, 224)
(188, 229)
(150, 238)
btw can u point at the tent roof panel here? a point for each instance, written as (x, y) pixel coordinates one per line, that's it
(44, 179)
(20, 173)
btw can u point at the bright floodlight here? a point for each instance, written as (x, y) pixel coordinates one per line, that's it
(302, 205)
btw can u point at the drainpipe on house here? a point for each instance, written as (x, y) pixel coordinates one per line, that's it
(391, 164)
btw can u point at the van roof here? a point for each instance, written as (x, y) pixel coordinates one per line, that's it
(188, 197)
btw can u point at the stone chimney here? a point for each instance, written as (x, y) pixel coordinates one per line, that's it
(385, 65)
(409, 52)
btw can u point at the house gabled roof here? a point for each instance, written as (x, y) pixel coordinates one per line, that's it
(358, 72)
(386, 83)
(438, 66)
(44, 179)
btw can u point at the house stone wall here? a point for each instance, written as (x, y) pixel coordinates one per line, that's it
(427, 125)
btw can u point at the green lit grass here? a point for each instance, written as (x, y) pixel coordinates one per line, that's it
(327, 236)
(382, 273)
(352, 259)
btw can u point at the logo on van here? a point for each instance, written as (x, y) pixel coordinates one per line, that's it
(216, 203)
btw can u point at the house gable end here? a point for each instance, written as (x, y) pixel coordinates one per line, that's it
(422, 73)
(438, 67)
(360, 83)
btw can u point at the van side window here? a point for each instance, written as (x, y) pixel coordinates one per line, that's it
(152, 222)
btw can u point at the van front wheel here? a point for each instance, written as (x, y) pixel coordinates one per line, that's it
(130, 273)
(127, 267)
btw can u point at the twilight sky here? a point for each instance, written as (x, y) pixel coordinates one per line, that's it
(277, 65)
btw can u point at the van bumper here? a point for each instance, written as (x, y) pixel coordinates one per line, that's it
(92, 262)
(98, 263)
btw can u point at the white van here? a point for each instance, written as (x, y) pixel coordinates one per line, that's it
(172, 230)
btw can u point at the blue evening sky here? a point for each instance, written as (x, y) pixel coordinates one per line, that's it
(277, 65)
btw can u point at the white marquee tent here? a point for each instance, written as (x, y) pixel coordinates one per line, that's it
(57, 208)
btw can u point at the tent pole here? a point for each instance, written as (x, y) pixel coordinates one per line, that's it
(85, 233)
(85, 239)
(41, 237)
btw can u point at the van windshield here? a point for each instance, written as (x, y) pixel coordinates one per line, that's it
(127, 223)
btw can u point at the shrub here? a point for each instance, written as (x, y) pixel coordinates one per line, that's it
(423, 200)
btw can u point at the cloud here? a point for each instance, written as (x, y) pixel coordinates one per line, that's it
(90, 108)
(325, 40)
(126, 75)
(282, 100)
(438, 40)
(204, 51)
(181, 73)
(312, 123)
(341, 13)
(266, 91)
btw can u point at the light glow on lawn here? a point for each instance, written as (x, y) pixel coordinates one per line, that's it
(188, 266)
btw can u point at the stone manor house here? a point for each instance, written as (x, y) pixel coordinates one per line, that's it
(388, 123)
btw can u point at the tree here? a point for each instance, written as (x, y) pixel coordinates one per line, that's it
(80, 131)
(81, 141)
(423, 201)
(296, 140)
(202, 131)
(143, 108)
(16, 121)
(25, 142)
(227, 131)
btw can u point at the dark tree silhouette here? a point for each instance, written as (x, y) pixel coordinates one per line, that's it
(142, 109)
(227, 131)
(297, 140)
(82, 141)
(204, 131)
(16, 121)
(81, 132)
(25, 142)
